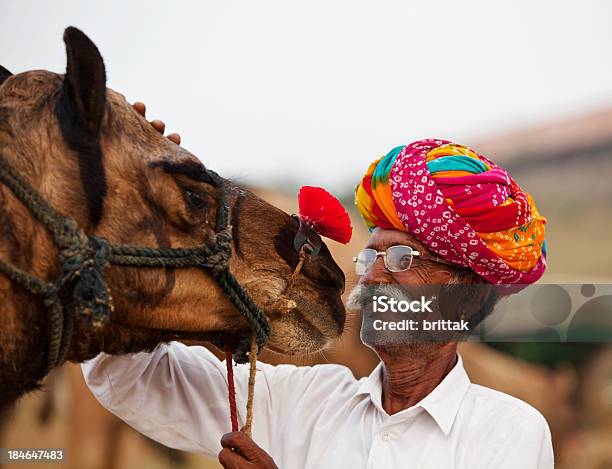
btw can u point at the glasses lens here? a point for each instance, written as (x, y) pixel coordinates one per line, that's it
(399, 258)
(365, 259)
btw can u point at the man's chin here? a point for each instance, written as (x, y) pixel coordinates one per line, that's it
(404, 349)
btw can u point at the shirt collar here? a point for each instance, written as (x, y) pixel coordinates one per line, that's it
(442, 403)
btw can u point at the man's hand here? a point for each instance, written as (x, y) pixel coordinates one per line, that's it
(240, 452)
(157, 124)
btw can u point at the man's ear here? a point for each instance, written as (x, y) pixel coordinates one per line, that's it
(4, 74)
(480, 300)
(471, 298)
(84, 82)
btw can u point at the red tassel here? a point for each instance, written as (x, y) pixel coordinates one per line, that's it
(325, 214)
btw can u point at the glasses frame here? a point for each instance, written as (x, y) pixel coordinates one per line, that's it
(415, 252)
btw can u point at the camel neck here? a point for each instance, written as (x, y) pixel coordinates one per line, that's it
(408, 379)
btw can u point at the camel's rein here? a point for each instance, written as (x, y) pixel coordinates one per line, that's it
(307, 243)
(81, 288)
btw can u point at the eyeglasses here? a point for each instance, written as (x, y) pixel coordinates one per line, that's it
(397, 259)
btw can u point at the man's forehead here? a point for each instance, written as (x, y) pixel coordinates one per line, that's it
(381, 239)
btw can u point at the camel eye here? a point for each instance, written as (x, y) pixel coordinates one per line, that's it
(195, 200)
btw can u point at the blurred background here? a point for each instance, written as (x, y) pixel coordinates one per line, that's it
(278, 94)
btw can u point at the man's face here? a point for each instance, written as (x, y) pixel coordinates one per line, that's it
(424, 270)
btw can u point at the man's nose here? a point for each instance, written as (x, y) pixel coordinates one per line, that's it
(377, 274)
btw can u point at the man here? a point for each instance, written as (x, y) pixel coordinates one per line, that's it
(418, 408)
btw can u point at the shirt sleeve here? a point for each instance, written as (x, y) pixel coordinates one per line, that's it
(528, 446)
(178, 394)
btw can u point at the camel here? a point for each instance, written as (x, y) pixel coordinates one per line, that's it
(95, 160)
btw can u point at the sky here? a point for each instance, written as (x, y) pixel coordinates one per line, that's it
(290, 93)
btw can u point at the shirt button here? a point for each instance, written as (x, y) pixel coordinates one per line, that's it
(385, 437)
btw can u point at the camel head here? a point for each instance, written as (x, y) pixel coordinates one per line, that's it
(95, 159)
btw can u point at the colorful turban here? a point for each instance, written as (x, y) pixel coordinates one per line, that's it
(461, 205)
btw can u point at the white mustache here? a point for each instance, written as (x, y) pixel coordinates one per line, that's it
(362, 294)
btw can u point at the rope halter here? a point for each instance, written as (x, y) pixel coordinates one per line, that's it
(81, 288)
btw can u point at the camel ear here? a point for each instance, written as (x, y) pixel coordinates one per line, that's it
(4, 74)
(84, 82)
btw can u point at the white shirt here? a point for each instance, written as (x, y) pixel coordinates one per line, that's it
(319, 416)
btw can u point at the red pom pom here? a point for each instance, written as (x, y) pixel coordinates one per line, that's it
(324, 213)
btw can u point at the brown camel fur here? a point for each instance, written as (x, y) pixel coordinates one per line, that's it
(95, 159)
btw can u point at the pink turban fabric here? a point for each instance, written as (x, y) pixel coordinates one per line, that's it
(461, 205)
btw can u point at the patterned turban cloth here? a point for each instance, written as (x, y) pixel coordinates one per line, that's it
(461, 205)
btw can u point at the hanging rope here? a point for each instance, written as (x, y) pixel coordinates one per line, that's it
(251, 390)
(305, 252)
(231, 389)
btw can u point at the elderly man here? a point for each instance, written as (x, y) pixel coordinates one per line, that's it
(439, 213)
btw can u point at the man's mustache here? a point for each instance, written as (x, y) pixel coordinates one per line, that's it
(361, 295)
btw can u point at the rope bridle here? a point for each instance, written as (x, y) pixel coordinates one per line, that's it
(81, 289)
